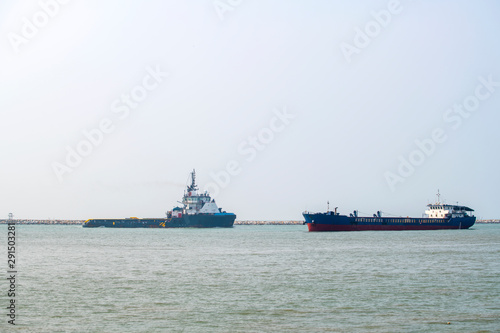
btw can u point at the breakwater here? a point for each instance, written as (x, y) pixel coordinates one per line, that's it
(79, 222)
(267, 222)
(37, 221)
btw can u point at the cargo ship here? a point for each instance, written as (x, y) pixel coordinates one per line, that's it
(198, 210)
(438, 216)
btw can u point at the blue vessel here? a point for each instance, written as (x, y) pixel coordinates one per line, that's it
(439, 216)
(199, 210)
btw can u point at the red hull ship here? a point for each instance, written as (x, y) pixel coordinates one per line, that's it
(439, 216)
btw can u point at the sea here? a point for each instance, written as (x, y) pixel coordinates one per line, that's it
(256, 278)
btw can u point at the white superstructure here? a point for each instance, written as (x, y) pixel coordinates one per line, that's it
(440, 211)
(198, 203)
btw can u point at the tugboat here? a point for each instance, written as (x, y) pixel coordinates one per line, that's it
(199, 210)
(439, 216)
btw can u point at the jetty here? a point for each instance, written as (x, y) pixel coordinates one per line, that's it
(80, 222)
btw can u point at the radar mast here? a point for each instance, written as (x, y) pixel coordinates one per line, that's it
(193, 187)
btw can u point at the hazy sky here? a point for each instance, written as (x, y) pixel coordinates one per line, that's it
(281, 106)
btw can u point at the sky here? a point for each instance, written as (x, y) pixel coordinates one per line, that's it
(280, 106)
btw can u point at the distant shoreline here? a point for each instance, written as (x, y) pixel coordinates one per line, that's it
(80, 222)
(284, 222)
(487, 221)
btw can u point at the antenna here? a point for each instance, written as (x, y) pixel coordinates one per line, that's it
(193, 186)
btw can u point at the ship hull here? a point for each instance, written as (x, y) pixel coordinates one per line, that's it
(332, 222)
(223, 220)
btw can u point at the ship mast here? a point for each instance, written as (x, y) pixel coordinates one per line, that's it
(193, 186)
(439, 197)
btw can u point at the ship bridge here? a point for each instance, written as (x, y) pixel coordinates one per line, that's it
(440, 211)
(195, 202)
